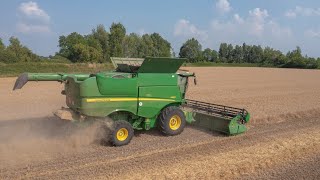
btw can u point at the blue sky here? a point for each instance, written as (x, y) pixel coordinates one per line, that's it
(281, 24)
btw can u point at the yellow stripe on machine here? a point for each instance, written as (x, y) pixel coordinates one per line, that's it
(126, 99)
(110, 99)
(155, 99)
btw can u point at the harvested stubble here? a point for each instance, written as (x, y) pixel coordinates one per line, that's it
(283, 135)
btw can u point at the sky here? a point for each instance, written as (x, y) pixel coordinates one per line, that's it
(280, 24)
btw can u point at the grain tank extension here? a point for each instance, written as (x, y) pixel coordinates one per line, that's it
(140, 94)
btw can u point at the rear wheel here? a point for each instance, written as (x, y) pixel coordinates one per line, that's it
(122, 133)
(171, 121)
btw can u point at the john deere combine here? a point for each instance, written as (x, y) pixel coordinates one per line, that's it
(139, 95)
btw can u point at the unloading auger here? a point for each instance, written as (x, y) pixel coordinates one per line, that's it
(140, 94)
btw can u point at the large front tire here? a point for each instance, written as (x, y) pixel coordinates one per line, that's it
(122, 133)
(171, 121)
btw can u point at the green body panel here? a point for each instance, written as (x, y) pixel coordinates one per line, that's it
(151, 108)
(117, 84)
(152, 99)
(89, 88)
(104, 94)
(105, 107)
(157, 79)
(168, 93)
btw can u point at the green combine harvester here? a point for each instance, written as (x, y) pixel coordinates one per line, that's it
(140, 94)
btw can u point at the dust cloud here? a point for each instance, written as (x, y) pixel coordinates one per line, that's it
(28, 140)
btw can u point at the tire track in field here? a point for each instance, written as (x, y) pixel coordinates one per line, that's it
(85, 166)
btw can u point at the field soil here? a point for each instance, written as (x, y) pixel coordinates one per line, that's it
(283, 140)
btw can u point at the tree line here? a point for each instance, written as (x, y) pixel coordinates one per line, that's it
(244, 53)
(16, 52)
(100, 45)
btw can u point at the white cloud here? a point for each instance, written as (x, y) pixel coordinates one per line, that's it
(312, 33)
(238, 19)
(259, 14)
(226, 27)
(277, 30)
(257, 18)
(32, 19)
(257, 27)
(30, 28)
(302, 11)
(290, 14)
(184, 28)
(223, 6)
(254, 24)
(32, 10)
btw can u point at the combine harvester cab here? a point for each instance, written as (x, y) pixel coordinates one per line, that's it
(140, 94)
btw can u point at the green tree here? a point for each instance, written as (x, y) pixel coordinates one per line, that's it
(146, 46)
(161, 47)
(215, 56)
(21, 53)
(311, 63)
(15, 46)
(209, 55)
(93, 43)
(80, 48)
(117, 34)
(191, 50)
(273, 57)
(255, 54)
(2, 46)
(229, 53)
(67, 45)
(131, 45)
(81, 52)
(246, 52)
(102, 36)
(86, 53)
(237, 54)
(295, 59)
(223, 52)
(8, 56)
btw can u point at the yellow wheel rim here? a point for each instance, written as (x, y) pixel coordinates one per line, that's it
(175, 122)
(122, 134)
